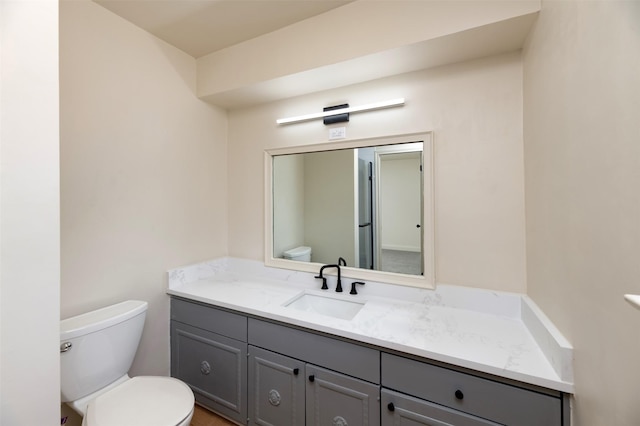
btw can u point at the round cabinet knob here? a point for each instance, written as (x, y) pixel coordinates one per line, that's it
(312, 378)
(459, 395)
(205, 368)
(391, 407)
(296, 371)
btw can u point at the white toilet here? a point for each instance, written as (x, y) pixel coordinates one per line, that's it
(96, 352)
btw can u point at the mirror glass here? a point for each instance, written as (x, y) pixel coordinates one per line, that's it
(363, 204)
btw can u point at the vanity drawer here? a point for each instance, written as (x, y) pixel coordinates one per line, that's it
(499, 402)
(209, 318)
(400, 409)
(338, 355)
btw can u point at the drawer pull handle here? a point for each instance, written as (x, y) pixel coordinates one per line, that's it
(459, 395)
(391, 407)
(312, 378)
(296, 371)
(205, 368)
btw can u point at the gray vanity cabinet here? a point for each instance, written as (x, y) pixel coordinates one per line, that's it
(341, 378)
(259, 372)
(332, 353)
(334, 399)
(276, 389)
(445, 392)
(209, 352)
(404, 410)
(287, 391)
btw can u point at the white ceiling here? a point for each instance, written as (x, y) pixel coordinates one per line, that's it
(200, 27)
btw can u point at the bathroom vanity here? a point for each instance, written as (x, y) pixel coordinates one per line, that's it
(250, 357)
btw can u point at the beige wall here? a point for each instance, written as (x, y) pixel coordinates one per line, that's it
(329, 209)
(29, 214)
(144, 175)
(475, 112)
(288, 203)
(582, 152)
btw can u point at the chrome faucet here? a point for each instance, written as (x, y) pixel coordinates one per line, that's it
(324, 280)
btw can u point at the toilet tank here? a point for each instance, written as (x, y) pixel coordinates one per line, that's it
(301, 254)
(100, 347)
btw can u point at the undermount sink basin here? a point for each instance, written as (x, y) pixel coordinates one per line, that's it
(328, 305)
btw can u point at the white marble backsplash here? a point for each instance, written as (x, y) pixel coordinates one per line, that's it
(496, 332)
(487, 301)
(199, 271)
(553, 344)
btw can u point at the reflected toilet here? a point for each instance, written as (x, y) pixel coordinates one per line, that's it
(300, 254)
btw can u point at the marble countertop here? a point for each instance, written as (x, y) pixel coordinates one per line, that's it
(476, 329)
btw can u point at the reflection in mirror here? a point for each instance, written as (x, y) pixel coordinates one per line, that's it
(399, 219)
(364, 204)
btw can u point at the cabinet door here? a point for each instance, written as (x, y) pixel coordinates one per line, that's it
(404, 410)
(334, 399)
(276, 389)
(214, 366)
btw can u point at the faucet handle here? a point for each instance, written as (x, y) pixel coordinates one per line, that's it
(353, 286)
(324, 282)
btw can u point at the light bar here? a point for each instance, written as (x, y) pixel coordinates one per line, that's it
(368, 107)
(633, 299)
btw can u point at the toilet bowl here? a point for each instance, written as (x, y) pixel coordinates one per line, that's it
(96, 352)
(143, 400)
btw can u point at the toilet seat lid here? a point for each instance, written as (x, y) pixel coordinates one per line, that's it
(140, 401)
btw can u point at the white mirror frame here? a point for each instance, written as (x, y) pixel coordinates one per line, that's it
(425, 281)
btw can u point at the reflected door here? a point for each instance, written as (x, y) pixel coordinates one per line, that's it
(399, 183)
(366, 228)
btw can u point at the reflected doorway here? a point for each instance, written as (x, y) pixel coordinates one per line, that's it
(400, 211)
(366, 209)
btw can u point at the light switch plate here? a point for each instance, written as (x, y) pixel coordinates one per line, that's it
(337, 133)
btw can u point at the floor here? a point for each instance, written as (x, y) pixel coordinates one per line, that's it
(404, 262)
(204, 417)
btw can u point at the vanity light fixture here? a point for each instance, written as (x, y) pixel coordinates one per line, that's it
(347, 110)
(633, 299)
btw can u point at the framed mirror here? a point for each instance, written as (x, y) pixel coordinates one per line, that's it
(365, 203)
